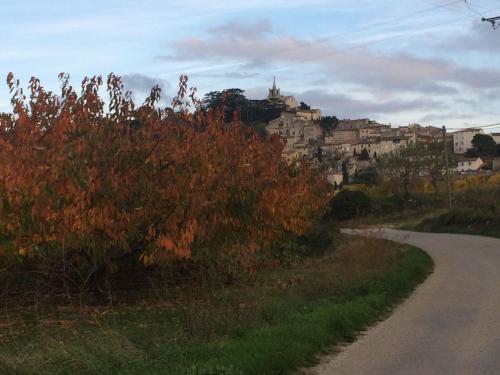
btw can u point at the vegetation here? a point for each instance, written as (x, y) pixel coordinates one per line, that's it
(205, 252)
(368, 177)
(328, 123)
(90, 195)
(484, 145)
(349, 204)
(275, 324)
(364, 155)
(401, 168)
(480, 221)
(476, 211)
(233, 101)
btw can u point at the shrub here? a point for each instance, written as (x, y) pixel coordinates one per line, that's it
(477, 221)
(132, 187)
(348, 204)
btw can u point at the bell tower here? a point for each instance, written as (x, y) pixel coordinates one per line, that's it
(274, 93)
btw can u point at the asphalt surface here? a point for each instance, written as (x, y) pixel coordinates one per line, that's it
(449, 326)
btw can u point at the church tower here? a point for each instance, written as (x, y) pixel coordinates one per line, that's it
(274, 93)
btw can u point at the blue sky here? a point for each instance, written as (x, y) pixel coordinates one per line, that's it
(426, 61)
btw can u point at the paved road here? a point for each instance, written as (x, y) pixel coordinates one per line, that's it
(449, 326)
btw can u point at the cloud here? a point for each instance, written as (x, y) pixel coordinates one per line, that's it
(245, 30)
(344, 106)
(358, 65)
(480, 37)
(141, 83)
(235, 75)
(444, 117)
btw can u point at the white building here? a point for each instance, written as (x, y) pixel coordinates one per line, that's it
(335, 179)
(496, 137)
(469, 165)
(462, 140)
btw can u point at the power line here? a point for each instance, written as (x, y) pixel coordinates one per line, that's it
(393, 21)
(363, 45)
(495, 21)
(472, 9)
(447, 7)
(496, 125)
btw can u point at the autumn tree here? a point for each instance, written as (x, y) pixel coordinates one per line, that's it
(107, 188)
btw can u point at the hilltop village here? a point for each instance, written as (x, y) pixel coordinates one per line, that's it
(354, 145)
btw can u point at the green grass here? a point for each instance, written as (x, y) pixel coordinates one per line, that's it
(483, 222)
(276, 325)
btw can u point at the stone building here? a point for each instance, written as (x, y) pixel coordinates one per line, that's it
(275, 95)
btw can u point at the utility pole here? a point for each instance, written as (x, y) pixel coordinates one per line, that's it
(447, 168)
(495, 21)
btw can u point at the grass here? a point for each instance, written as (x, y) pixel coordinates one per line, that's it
(483, 222)
(477, 211)
(279, 322)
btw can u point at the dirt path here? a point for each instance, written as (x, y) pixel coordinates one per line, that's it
(449, 326)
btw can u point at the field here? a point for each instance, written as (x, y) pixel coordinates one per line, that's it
(277, 322)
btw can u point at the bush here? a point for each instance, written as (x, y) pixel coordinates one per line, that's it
(475, 221)
(102, 191)
(348, 204)
(367, 177)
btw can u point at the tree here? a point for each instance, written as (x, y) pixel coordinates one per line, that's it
(401, 167)
(368, 176)
(364, 155)
(133, 187)
(304, 106)
(328, 123)
(484, 144)
(472, 153)
(435, 163)
(348, 204)
(345, 173)
(319, 154)
(230, 99)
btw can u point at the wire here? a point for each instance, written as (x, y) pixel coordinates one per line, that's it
(472, 10)
(391, 21)
(479, 127)
(446, 6)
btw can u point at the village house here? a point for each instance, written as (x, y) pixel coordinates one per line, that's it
(299, 127)
(462, 140)
(335, 179)
(294, 129)
(469, 165)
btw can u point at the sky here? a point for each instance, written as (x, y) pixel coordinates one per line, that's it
(431, 62)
